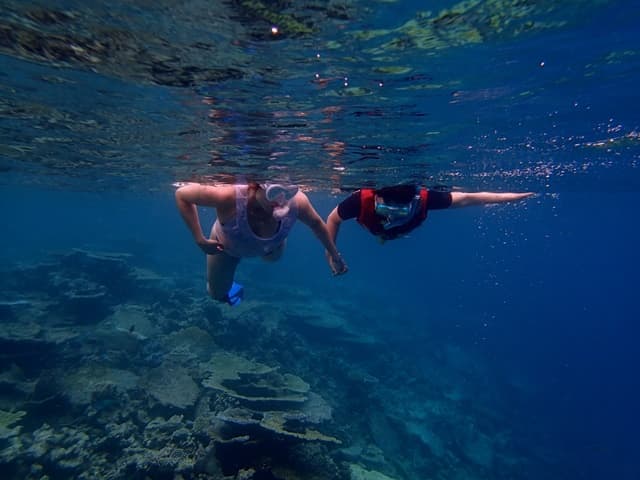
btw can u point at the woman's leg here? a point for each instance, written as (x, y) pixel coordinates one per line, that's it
(220, 271)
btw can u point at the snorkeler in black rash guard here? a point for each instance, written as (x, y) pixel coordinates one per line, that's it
(392, 212)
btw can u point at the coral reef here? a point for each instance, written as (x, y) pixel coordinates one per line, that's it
(127, 374)
(172, 386)
(156, 385)
(280, 404)
(252, 381)
(7, 419)
(360, 473)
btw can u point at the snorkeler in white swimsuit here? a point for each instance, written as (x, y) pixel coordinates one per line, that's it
(237, 237)
(252, 220)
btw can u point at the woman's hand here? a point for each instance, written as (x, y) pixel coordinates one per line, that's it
(210, 247)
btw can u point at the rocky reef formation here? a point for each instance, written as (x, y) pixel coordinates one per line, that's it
(102, 377)
(110, 371)
(279, 403)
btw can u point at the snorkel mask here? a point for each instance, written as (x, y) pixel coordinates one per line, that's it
(396, 215)
(281, 195)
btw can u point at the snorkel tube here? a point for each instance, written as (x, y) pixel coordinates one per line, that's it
(281, 196)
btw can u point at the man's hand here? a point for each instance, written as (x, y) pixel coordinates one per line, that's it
(338, 267)
(210, 247)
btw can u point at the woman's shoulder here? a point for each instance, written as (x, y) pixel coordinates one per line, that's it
(218, 195)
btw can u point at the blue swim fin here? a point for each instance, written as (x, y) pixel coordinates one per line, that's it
(235, 295)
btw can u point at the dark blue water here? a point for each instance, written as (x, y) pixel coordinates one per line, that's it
(503, 338)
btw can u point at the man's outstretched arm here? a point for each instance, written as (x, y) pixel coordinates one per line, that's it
(333, 224)
(308, 215)
(464, 199)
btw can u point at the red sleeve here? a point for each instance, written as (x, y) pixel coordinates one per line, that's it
(438, 200)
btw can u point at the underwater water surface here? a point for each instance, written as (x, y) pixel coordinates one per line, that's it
(494, 342)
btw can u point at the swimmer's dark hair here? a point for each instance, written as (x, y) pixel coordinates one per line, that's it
(398, 193)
